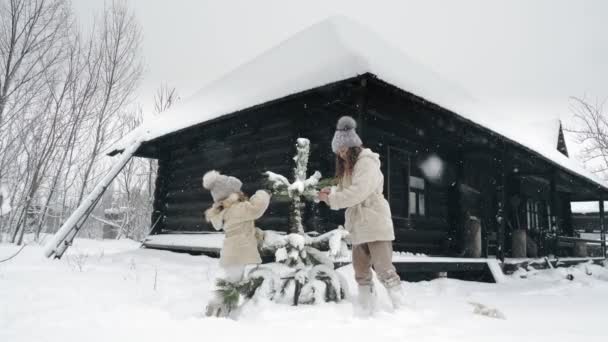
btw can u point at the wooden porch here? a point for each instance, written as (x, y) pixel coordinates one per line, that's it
(409, 267)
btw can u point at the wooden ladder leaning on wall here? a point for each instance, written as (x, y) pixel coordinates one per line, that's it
(70, 228)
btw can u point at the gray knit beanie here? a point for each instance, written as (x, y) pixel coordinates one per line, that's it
(345, 135)
(221, 186)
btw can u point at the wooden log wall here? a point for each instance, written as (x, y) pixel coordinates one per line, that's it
(401, 131)
(247, 143)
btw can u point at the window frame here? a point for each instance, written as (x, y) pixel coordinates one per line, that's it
(419, 197)
(421, 194)
(536, 212)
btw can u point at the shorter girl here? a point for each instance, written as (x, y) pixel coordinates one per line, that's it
(234, 213)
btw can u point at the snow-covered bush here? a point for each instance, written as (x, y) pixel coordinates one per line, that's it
(310, 276)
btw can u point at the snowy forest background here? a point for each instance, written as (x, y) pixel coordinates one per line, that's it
(67, 93)
(65, 96)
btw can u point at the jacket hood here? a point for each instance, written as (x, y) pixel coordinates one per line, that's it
(367, 153)
(215, 215)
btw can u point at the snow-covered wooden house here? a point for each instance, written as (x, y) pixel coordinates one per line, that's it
(448, 159)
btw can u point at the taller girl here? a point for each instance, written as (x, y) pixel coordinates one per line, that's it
(368, 214)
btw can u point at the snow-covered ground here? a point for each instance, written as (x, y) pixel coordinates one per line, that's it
(115, 291)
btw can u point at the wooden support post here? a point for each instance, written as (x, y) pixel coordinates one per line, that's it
(156, 221)
(503, 207)
(602, 225)
(554, 225)
(453, 246)
(459, 210)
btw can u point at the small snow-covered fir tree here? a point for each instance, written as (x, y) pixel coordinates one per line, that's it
(310, 258)
(300, 189)
(304, 270)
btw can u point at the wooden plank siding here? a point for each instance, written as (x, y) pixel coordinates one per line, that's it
(245, 146)
(398, 130)
(241, 153)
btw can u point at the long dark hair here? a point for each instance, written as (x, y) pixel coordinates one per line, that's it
(344, 167)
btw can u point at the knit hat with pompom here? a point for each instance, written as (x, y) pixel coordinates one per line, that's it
(345, 135)
(221, 186)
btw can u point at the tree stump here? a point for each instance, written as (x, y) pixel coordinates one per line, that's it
(519, 243)
(472, 238)
(580, 249)
(531, 247)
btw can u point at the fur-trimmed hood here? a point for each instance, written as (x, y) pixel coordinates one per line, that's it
(215, 214)
(236, 216)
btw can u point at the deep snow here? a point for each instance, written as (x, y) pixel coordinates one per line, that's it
(105, 291)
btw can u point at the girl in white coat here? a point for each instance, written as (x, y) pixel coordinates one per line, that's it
(235, 214)
(368, 214)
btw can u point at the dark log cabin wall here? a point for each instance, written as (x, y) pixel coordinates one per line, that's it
(404, 129)
(245, 145)
(404, 132)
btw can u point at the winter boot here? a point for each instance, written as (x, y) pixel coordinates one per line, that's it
(397, 296)
(215, 308)
(366, 301)
(218, 308)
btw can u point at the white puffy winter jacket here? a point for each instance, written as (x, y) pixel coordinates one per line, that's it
(368, 214)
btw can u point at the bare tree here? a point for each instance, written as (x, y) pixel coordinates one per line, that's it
(591, 131)
(30, 31)
(136, 181)
(60, 100)
(119, 71)
(164, 98)
(77, 88)
(32, 38)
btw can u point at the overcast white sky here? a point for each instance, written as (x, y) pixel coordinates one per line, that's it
(527, 54)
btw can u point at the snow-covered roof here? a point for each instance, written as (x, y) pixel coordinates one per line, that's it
(329, 51)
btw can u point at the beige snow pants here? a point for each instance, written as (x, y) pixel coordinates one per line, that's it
(378, 254)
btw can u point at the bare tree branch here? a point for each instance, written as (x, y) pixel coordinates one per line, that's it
(591, 131)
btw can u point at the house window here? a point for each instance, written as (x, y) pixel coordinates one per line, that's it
(416, 196)
(533, 214)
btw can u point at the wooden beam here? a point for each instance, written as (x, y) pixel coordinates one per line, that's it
(602, 225)
(533, 174)
(160, 192)
(455, 230)
(503, 206)
(554, 225)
